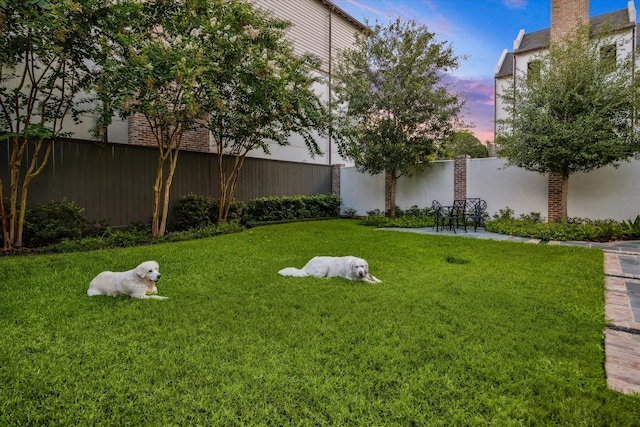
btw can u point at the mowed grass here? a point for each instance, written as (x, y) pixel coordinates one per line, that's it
(460, 332)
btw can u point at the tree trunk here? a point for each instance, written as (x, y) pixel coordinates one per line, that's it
(223, 187)
(392, 194)
(167, 186)
(19, 199)
(157, 189)
(5, 221)
(235, 173)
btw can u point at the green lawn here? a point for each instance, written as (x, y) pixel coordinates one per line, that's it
(511, 334)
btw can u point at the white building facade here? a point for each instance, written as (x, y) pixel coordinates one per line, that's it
(527, 47)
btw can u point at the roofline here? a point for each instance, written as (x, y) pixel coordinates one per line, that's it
(334, 8)
(623, 27)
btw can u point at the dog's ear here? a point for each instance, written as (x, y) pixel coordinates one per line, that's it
(141, 271)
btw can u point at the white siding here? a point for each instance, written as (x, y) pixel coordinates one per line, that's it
(314, 27)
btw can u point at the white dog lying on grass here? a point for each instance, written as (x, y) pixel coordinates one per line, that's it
(349, 267)
(136, 283)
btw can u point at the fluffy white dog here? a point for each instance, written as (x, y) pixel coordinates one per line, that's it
(135, 283)
(349, 267)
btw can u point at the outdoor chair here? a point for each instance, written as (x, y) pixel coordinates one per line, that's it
(446, 216)
(459, 214)
(476, 211)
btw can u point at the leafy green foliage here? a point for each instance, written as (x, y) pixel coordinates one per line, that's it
(462, 143)
(192, 211)
(156, 70)
(577, 115)
(260, 91)
(410, 218)
(511, 337)
(393, 106)
(577, 229)
(53, 222)
(286, 208)
(48, 51)
(631, 227)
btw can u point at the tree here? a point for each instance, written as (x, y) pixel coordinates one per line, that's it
(264, 94)
(577, 114)
(155, 71)
(463, 143)
(45, 64)
(393, 106)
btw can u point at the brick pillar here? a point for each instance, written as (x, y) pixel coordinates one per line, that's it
(566, 15)
(460, 177)
(557, 188)
(335, 179)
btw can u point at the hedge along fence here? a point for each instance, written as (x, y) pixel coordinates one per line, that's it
(192, 211)
(56, 221)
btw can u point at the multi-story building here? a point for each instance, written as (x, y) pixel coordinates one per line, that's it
(564, 13)
(524, 59)
(318, 27)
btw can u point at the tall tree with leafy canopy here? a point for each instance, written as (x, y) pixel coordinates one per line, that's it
(265, 93)
(393, 106)
(576, 114)
(462, 142)
(155, 70)
(45, 64)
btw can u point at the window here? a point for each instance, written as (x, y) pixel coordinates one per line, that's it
(533, 70)
(608, 55)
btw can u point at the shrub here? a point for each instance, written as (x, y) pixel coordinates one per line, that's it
(579, 229)
(237, 211)
(350, 212)
(192, 211)
(412, 217)
(631, 228)
(53, 222)
(288, 208)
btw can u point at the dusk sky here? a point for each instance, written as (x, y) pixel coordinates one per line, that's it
(479, 29)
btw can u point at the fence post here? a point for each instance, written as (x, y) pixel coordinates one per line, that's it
(460, 176)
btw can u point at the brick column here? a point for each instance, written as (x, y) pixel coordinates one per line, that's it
(557, 188)
(460, 177)
(335, 179)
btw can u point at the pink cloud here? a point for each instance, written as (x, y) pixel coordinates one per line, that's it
(478, 111)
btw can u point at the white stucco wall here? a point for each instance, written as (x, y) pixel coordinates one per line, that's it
(422, 188)
(605, 193)
(362, 192)
(502, 186)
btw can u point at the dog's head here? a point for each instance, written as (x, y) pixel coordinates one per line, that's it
(149, 270)
(359, 268)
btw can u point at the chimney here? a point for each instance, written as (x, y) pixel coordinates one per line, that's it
(566, 15)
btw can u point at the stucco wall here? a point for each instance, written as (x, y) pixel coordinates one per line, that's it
(605, 193)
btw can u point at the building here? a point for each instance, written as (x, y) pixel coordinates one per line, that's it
(518, 62)
(566, 15)
(318, 27)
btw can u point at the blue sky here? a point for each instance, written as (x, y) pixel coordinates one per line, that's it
(479, 29)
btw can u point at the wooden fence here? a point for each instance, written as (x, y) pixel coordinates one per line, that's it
(114, 182)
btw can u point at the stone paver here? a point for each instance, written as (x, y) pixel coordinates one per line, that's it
(622, 304)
